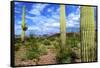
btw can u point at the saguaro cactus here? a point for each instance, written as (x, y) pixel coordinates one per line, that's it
(63, 25)
(24, 28)
(87, 34)
(63, 55)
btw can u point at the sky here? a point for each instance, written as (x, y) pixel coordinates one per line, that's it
(44, 18)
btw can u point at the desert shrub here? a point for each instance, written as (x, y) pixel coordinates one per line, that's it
(64, 56)
(46, 42)
(52, 39)
(17, 40)
(50, 47)
(42, 49)
(75, 54)
(72, 41)
(35, 49)
(33, 52)
(56, 45)
(17, 47)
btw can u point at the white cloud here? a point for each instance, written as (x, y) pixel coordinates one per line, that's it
(35, 12)
(73, 19)
(19, 22)
(16, 11)
(44, 24)
(36, 9)
(33, 28)
(54, 14)
(17, 27)
(49, 10)
(54, 24)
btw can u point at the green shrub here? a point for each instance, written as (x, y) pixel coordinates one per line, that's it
(17, 40)
(42, 49)
(17, 47)
(56, 45)
(52, 39)
(47, 42)
(64, 56)
(33, 52)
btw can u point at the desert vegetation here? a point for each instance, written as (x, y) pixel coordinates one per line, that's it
(58, 48)
(35, 47)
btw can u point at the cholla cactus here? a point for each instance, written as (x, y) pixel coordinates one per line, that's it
(87, 34)
(24, 28)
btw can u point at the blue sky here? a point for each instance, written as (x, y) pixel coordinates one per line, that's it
(45, 18)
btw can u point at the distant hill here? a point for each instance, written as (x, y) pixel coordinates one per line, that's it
(52, 35)
(67, 34)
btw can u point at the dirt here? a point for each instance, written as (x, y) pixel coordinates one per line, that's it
(45, 59)
(19, 60)
(48, 59)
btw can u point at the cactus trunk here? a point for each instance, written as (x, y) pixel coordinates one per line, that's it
(87, 34)
(63, 26)
(23, 25)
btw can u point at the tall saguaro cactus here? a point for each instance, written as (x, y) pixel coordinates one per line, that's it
(87, 34)
(63, 54)
(24, 28)
(63, 25)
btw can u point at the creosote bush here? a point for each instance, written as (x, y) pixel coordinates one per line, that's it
(42, 49)
(17, 47)
(64, 56)
(33, 52)
(46, 42)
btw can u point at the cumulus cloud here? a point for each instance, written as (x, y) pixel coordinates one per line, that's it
(36, 9)
(17, 29)
(44, 24)
(33, 28)
(73, 19)
(52, 24)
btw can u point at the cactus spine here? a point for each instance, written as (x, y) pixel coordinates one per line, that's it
(87, 34)
(23, 25)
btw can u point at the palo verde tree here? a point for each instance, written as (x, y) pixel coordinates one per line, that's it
(87, 34)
